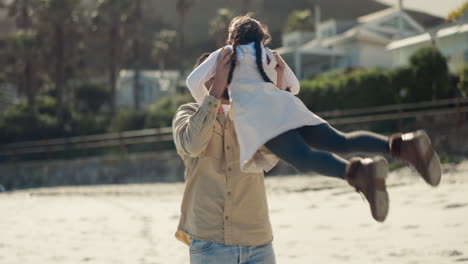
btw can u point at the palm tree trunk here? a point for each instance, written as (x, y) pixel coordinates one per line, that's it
(182, 44)
(30, 92)
(136, 50)
(113, 67)
(59, 70)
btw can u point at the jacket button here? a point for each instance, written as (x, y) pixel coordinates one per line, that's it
(227, 217)
(229, 169)
(228, 147)
(229, 193)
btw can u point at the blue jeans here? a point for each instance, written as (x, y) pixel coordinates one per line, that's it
(295, 147)
(208, 252)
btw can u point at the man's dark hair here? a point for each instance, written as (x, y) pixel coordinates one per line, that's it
(202, 58)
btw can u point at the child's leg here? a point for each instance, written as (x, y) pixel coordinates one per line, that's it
(325, 137)
(367, 176)
(292, 148)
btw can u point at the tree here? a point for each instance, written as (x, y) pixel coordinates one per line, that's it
(164, 46)
(431, 75)
(463, 82)
(137, 39)
(60, 24)
(219, 26)
(458, 12)
(21, 11)
(299, 20)
(90, 98)
(182, 9)
(24, 47)
(112, 19)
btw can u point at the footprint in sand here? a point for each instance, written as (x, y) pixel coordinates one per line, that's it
(174, 217)
(462, 260)
(324, 227)
(341, 257)
(407, 227)
(454, 253)
(455, 205)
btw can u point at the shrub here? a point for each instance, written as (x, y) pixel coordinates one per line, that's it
(18, 124)
(431, 76)
(128, 120)
(88, 124)
(90, 98)
(161, 112)
(463, 81)
(362, 88)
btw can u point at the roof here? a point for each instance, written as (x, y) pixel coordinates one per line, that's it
(427, 37)
(376, 16)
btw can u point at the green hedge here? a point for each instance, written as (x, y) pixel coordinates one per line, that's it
(363, 88)
(463, 81)
(18, 124)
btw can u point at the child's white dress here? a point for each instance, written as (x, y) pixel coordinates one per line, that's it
(259, 110)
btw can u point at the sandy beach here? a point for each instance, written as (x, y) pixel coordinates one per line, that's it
(315, 220)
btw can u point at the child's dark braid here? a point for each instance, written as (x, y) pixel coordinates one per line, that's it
(233, 62)
(258, 55)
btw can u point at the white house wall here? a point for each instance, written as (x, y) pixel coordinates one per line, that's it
(374, 55)
(453, 47)
(352, 51)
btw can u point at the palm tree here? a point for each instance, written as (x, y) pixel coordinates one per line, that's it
(164, 46)
(138, 23)
(21, 11)
(112, 19)
(300, 20)
(219, 26)
(59, 25)
(24, 46)
(183, 7)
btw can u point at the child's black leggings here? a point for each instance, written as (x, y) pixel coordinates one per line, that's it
(294, 147)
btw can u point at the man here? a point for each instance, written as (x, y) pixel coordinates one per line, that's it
(224, 212)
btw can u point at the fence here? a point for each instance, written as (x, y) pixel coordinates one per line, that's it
(155, 137)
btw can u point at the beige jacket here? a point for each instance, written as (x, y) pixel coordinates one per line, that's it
(220, 203)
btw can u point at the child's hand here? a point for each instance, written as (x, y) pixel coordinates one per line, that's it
(279, 68)
(281, 65)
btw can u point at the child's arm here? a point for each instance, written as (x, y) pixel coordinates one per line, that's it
(290, 80)
(286, 79)
(196, 80)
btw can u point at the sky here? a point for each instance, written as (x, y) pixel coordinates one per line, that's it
(436, 7)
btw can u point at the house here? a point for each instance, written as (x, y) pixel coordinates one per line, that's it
(340, 44)
(451, 40)
(153, 84)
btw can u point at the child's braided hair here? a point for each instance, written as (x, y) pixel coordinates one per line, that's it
(244, 30)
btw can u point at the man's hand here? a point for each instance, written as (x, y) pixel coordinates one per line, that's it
(223, 66)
